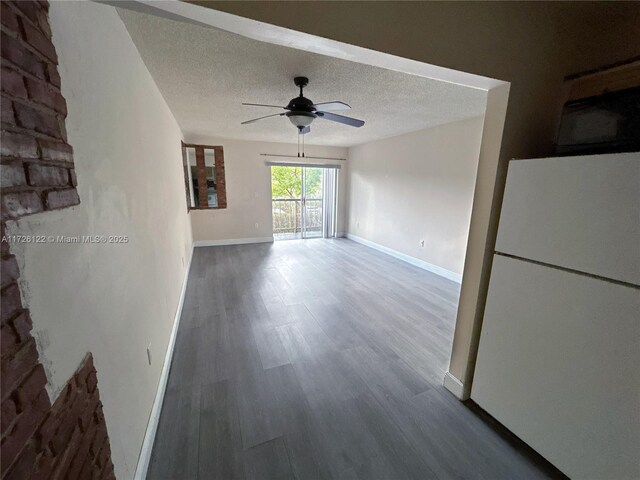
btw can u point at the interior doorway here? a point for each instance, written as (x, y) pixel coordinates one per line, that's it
(303, 201)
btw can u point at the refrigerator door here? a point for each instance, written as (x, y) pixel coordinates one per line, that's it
(581, 213)
(558, 366)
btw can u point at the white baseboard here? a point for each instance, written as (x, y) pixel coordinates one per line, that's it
(154, 418)
(443, 272)
(232, 241)
(455, 386)
(341, 234)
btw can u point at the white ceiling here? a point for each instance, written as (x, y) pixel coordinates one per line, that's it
(205, 74)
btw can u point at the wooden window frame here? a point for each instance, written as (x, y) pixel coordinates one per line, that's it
(221, 188)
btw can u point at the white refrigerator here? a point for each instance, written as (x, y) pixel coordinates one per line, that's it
(559, 354)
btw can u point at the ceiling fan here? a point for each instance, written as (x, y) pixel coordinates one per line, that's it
(301, 111)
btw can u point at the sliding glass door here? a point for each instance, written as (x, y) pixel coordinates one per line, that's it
(298, 202)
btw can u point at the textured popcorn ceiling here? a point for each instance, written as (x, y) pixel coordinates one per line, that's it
(205, 74)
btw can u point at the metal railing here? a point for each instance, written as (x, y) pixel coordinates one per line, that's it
(287, 215)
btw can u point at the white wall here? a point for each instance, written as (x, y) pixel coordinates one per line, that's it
(248, 182)
(112, 300)
(417, 187)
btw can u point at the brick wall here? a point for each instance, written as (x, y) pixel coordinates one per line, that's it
(39, 440)
(37, 162)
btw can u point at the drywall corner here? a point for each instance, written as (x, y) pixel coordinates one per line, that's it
(475, 274)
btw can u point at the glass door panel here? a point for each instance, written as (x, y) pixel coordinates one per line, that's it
(297, 202)
(286, 201)
(312, 189)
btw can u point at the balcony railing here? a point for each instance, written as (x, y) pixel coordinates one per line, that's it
(287, 217)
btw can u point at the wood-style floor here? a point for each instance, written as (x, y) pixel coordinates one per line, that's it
(321, 359)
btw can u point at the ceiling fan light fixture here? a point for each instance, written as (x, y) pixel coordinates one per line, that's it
(301, 119)
(301, 111)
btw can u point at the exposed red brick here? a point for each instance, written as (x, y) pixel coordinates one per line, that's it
(17, 367)
(55, 199)
(108, 473)
(7, 117)
(77, 408)
(15, 333)
(8, 342)
(11, 301)
(83, 372)
(42, 93)
(39, 41)
(25, 463)
(8, 18)
(63, 128)
(104, 456)
(13, 51)
(43, 22)
(30, 388)
(79, 459)
(67, 455)
(53, 75)
(66, 397)
(12, 175)
(63, 435)
(47, 175)
(22, 326)
(44, 466)
(23, 429)
(92, 382)
(13, 83)
(39, 440)
(99, 414)
(87, 468)
(37, 120)
(55, 151)
(18, 145)
(9, 270)
(85, 420)
(19, 204)
(28, 9)
(48, 428)
(8, 413)
(99, 439)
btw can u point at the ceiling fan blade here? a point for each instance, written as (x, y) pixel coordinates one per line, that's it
(262, 105)
(340, 119)
(260, 118)
(305, 130)
(331, 106)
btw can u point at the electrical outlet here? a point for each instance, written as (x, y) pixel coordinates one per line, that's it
(182, 259)
(149, 354)
(357, 224)
(257, 225)
(422, 243)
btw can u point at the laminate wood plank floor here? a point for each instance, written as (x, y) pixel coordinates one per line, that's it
(321, 359)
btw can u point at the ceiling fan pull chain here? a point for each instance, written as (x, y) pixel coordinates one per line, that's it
(302, 144)
(298, 143)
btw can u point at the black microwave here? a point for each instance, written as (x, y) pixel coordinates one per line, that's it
(607, 123)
